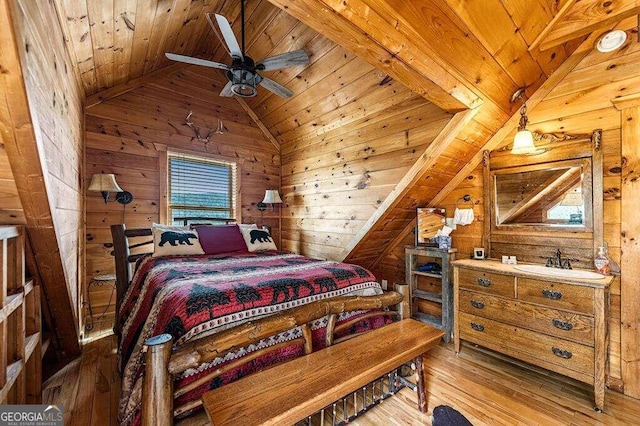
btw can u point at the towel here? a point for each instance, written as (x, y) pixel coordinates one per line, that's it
(445, 231)
(463, 216)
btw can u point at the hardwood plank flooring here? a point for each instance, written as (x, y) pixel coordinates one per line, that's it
(488, 390)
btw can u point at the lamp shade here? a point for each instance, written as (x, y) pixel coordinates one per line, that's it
(523, 143)
(271, 196)
(243, 82)
(104, 183)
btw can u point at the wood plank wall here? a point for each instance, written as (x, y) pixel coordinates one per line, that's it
(338, 168)
(11, 211)
(579, 104)
(55, 101)
(120, 137)
(464, 238)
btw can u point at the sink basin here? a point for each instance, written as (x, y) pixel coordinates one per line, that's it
(555, 272)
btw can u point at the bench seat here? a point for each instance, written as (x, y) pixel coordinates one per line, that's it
(290, 392)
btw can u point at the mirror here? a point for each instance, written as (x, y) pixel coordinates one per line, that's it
(428, 222)
(556, 194)
(551, 199)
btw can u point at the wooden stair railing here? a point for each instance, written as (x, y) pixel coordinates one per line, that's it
(20, 324)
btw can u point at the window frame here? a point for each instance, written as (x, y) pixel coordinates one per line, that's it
(165, 188)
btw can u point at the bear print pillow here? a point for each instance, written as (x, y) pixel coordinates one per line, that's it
(175, 240)
(258, 239)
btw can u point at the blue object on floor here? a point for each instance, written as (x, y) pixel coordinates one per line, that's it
(446, 416)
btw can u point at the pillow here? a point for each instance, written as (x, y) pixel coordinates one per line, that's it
(247, 226)
(174, 240)
(258, 239)
(220, 239)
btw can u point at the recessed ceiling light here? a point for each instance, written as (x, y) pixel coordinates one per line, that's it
(611, 41)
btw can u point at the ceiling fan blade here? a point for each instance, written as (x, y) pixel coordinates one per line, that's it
(226, 91)
(196, 61)
(216, 32)
(276, 88)
(229, 37)
(284, 60)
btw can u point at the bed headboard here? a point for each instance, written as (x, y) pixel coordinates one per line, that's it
(142, 246)
(123, 257)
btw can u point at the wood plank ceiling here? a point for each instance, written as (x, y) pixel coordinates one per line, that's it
(456, 54)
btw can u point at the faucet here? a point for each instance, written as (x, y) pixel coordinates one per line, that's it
(558, 260)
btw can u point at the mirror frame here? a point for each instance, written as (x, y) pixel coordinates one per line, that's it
(553, 149)
(587, 190)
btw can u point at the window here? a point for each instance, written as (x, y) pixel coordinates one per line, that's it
(200, 188)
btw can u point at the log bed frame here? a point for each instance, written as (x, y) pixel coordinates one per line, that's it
(163, 362)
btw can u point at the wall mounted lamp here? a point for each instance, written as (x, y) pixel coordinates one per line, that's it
(271, 196)
(106, 183)
(523, 141)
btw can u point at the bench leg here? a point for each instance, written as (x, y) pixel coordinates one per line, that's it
(421, 385)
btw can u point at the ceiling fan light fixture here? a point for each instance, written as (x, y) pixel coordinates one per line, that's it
(243, 73)
(611, 41)
(244, 90)
(243, 78)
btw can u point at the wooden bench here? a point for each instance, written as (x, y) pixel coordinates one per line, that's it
(290, 392)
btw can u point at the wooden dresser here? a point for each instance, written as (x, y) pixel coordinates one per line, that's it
(553, 322)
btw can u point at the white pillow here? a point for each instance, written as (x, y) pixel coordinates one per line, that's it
(258, 239)
(175, 240)
(247, 226)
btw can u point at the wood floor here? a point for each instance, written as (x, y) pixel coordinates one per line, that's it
(487, 390)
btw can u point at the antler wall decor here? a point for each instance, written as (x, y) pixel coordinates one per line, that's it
(196, 130)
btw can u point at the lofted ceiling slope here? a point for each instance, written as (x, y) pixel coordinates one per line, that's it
(371, 61)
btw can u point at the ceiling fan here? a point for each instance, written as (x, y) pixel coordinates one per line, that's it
(243, 72)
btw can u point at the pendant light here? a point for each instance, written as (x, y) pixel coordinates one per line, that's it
(523, 141)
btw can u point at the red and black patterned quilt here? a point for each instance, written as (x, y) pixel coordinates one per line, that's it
(192, 296)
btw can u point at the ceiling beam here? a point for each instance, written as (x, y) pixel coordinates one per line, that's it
(584, 17)
(125, 87)
(258, 122)
(496, 140)
(545, 31)
(19, 138)
(422, 165)
(411, 67)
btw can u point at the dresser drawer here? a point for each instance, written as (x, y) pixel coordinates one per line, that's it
(553, 322)
(557, 295)
(527, 345)
(486, 282)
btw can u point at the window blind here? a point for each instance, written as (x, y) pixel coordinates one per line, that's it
(200, 187)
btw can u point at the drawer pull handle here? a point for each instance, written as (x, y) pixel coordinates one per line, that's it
(562, 325)
(477, 327)
(553, 295)
(484, 282)
(477, 304)
(561, 353)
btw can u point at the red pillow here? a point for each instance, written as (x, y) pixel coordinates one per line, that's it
(221, 239)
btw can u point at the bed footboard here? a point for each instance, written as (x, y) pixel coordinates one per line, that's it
(162, 365)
